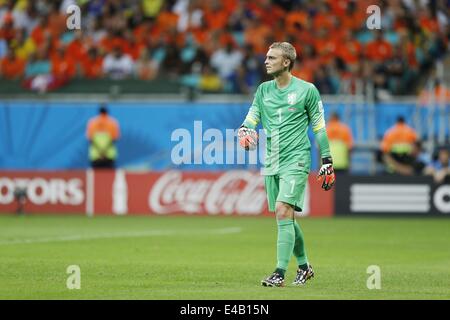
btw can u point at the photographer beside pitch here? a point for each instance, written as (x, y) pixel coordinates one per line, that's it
(285, 107)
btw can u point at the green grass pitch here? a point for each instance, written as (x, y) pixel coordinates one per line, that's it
(196, 258)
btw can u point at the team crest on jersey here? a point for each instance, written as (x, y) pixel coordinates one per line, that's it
(292, 98)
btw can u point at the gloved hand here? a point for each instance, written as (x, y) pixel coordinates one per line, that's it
(248, 138)
(326, 174)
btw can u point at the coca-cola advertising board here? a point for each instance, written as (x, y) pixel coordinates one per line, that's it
(105, 192)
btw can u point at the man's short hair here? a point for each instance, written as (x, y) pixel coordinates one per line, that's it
(103, 109)
(288, 51)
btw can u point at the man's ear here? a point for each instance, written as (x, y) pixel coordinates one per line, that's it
(286, 63)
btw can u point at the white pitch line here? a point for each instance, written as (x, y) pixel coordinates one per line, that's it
(150, 233)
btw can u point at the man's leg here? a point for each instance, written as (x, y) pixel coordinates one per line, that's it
(292, 192)
(286, 235)
(299, 247)
(282, 195)
(285, 244)
(301, 181)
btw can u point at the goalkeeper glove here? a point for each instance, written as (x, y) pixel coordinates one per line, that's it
(326, 174)
(248, 138)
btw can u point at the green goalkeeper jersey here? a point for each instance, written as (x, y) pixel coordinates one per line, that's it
(285, 115)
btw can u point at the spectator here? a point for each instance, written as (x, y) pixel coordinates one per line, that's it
(26, 17)
(190, 14)
(396, 70)
(350, 51)
(39, 64)
(227, 61)
(76, 49)
(151, 8)
(216, 16)
(209, 80)
(341, 143)
(146, 68)
(412, 164)
(256, 34)
(322, 80)
(11, 66)
(379, 49)
(117, 65)
(134, 47)
(103, 132)
(63, 66)
(398, 141)
(7, 31)
(95, 32)
(253, 67)
(440, 168)
(92, 64)
(172, 64)
(23, 46)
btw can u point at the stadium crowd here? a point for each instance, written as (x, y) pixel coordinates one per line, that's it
(220, 45)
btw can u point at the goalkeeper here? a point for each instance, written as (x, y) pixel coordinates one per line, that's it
(285, 107)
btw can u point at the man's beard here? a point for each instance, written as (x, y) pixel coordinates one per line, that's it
(278, 72)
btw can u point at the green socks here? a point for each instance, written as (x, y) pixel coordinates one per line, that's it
(290, 240)
(285, 242)
(299, 248)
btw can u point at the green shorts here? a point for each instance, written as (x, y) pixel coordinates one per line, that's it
(286, 187)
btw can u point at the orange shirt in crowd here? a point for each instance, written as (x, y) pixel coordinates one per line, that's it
(338, 7)
(107, 44)
(400, 133)
(354, 21)
(92, 68)
(103, 123)
(134, 50)
(256, 36)
(216, 19)
(303, 73)
(200, 35)
(429, 24)
(11, 69)
(63, 66)
(294, 19)
(268, 13)
(349, 51)
(142, 32)
(323, 20)
(326, 49)
(230, 5)
(379, 50)
(76, 50)
(337, 130)
(56, 23)
(38, 34)
(167, 20)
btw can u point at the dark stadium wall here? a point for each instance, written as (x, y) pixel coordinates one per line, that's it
(391, 195)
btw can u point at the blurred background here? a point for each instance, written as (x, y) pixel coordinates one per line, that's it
(155, 66)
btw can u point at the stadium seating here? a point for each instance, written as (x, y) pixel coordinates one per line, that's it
(179, 38)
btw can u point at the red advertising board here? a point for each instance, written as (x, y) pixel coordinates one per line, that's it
(234, 192)
(47, 192)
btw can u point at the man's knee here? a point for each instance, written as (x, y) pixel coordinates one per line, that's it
(284, 211)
